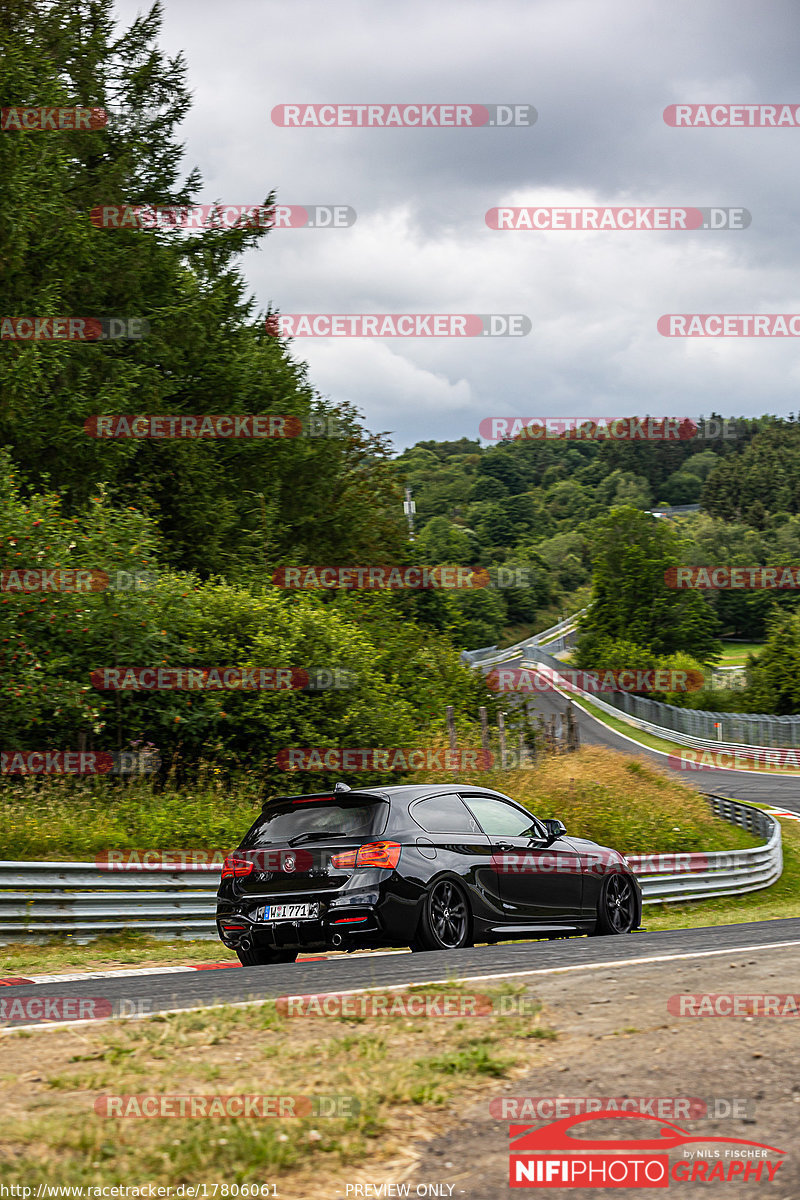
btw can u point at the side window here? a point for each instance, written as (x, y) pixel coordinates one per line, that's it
(444, 814)
(497, 818)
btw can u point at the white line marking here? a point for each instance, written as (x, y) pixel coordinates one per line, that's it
(393, 987)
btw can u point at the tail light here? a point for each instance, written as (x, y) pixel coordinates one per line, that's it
(372, 854)
(235, 868)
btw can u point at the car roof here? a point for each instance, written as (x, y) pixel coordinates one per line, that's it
(403, 792)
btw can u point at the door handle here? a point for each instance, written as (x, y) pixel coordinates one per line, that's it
(504, 846)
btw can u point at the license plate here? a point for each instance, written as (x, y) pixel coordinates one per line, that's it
(288, 912)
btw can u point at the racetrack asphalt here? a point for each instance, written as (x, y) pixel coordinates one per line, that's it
(155, 993)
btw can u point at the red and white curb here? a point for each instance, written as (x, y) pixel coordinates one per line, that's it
(783, 814)
(129, 972)
(116, 973)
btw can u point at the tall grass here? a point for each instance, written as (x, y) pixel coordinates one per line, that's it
(597, 793)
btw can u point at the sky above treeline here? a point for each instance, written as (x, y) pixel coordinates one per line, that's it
(599, 76)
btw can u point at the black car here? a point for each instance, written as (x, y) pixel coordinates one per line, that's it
(430, 866)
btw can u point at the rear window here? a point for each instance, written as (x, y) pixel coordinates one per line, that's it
(361, 816)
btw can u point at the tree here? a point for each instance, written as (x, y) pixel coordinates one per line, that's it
(442, 542)
(222, 506)
(774, 677)
(631, 600)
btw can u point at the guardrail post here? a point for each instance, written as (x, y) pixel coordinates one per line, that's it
(451, 731)
(485, 743)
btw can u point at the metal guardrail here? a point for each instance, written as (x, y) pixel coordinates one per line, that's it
(618, 704)
(698, 876)
(44, 899)
(41, 900)
(750, 733)
(490, 655)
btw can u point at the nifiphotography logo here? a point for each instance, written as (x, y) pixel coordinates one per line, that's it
(556, 1155)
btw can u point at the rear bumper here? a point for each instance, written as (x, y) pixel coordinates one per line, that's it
(344, 921)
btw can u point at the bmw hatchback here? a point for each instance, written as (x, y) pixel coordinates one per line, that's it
(433, 867)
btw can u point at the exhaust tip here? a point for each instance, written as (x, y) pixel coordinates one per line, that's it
(337, 939)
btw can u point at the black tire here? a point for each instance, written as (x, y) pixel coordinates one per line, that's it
(263, 956)
(616, 906)
(446, 921)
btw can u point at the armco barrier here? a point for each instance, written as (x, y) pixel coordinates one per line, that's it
(687, 726)
(487, 655)
(615, 704)
(671, 877)
(41, 900)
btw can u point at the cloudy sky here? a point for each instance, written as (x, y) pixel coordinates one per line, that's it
(599, 75)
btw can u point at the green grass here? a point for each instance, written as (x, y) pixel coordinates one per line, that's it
(782, 899)
(620, 726)
(735, 654)
(78, 819)
(655, 743)
(401, 1079)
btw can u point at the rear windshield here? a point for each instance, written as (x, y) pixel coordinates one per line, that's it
(363, 816)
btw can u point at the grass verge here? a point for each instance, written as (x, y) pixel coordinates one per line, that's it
(397, 1078)
(657, 743)
(782, 899)
(735, 654)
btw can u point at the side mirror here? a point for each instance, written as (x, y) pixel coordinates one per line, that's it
(555, 829)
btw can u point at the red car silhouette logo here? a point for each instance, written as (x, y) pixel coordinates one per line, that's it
(559, 1136)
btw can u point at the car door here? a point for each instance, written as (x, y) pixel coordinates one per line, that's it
(450, 839)
(540, 881)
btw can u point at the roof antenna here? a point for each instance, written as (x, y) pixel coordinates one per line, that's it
(342, 787)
